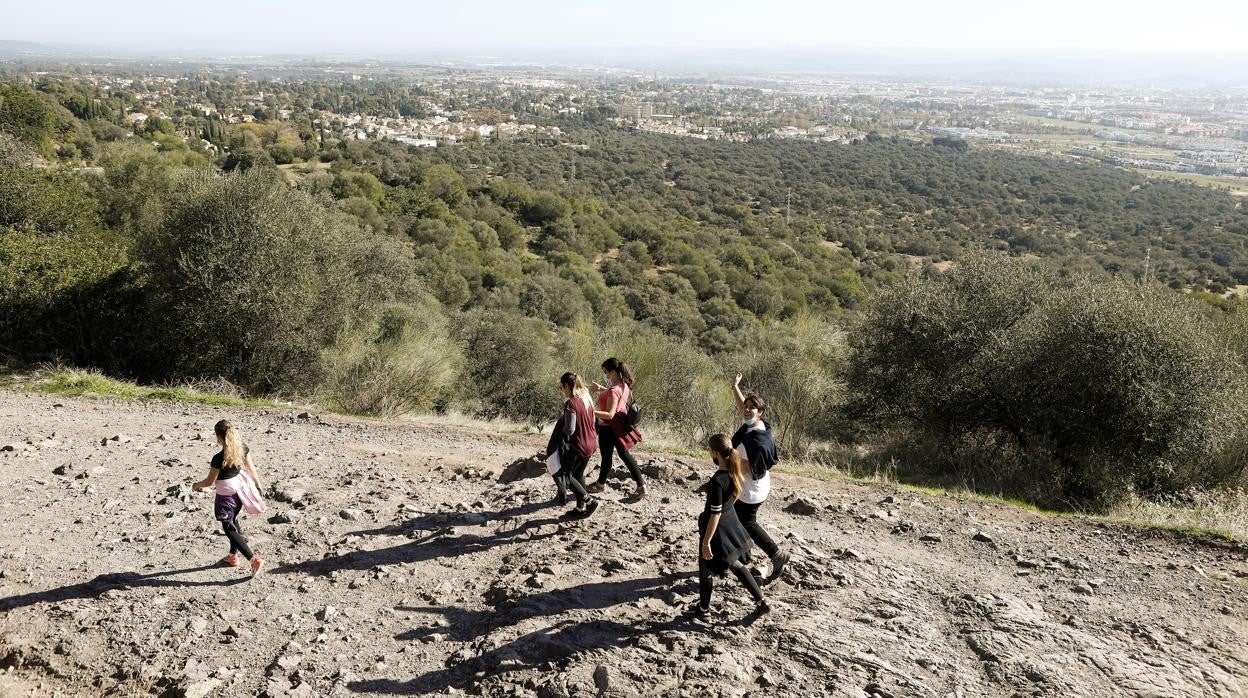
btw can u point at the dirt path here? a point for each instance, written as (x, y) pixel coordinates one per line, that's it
(405, 567)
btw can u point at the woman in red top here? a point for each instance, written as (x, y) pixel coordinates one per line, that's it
(615, 435)
(573, 438)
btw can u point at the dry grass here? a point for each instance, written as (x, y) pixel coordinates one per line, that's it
(72, 382)
(1220, 513)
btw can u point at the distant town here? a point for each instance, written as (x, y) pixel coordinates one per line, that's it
(1191, 133)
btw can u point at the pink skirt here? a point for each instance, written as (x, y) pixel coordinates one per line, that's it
(242, 486)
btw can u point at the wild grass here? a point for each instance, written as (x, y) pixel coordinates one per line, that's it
(1218, 514)
(73, 382)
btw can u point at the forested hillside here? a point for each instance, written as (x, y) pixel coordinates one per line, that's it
(383, 279)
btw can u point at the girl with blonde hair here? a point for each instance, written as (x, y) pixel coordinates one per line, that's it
(234, 477)
(574, 440)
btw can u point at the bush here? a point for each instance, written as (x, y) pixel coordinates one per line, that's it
(60, 295)
(798, 367)
(402, 360)
(675, 382)
(1077, 396)
(251, 281)
(508, 369)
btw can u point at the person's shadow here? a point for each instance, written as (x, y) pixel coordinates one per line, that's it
(532, 650)
(465, 626)
(432, 540)
(117, 580)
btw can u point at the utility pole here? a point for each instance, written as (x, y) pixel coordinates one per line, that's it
(788, 204)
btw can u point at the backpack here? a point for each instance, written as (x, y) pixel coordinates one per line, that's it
(634, 415)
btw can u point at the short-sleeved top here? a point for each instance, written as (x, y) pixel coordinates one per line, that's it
(606, 396)
(754, 491)
(232, 471)
(586, 437)
(730, 542)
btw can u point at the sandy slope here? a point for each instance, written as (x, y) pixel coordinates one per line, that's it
(408, 568)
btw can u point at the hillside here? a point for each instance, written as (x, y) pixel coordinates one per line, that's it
(406, 567)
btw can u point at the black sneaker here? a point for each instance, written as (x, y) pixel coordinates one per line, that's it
(777, 565)
(574, 513)
(696, 611)
(762, 608)
(591, 508)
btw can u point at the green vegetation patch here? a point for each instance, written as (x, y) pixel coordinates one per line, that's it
(71, 382)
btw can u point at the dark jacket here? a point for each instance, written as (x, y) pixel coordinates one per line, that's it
(760, 446)
(574, 433)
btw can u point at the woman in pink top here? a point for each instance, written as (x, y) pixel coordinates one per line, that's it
(615, 434)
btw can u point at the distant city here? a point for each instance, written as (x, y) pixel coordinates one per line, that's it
(1197, 133)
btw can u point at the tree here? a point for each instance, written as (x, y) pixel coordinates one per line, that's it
(25, 115)
(252, 280)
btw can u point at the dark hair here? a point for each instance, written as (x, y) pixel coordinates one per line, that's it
(614, 364)
(753, 398)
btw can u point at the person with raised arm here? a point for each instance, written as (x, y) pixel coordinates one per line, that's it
(756, 442)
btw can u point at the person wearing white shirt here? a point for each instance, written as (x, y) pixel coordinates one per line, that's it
(756, 443)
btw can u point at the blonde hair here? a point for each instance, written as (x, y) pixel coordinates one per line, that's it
(721, 446)
(232, 455)
(577, 384)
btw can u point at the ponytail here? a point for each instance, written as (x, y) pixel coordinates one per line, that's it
(721, 446)
(576, 385)
(232, 444)
(625, 373)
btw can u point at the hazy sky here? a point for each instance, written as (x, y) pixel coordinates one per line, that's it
(389, 27)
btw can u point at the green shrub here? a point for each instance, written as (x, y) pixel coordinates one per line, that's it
(508, 370)
(402, 360)
(60, 295)
(676, 384)
(798, 367)
(1074, 394)
(251, 280)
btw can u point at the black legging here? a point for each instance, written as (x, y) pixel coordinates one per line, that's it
(705, 584)
(748, 514)
(238, 544)
(607, 445)
(574, 478)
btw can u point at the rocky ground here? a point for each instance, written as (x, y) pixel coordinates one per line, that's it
(417, 558)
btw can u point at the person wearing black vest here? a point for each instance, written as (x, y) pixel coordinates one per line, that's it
(756, 443)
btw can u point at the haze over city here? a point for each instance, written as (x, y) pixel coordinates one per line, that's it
(373, 27)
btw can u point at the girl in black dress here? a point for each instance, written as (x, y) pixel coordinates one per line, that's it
(723, 544)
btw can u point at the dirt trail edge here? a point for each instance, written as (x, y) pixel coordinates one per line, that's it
(413, 558)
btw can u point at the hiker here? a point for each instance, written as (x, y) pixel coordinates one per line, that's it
(615, 433)
(572, 441)
(723, 545)
(238, 487)
(755, 442)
